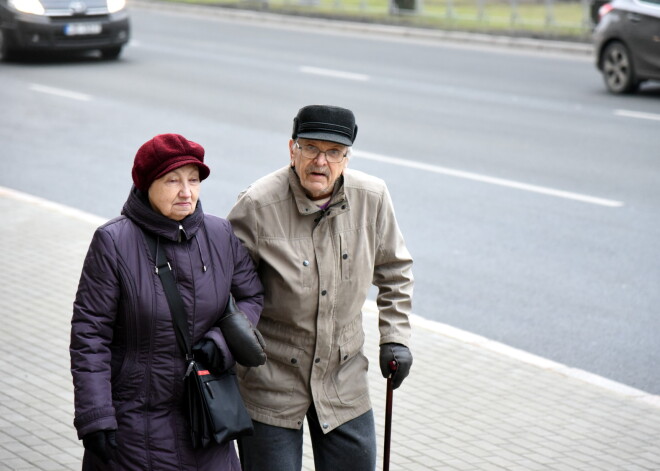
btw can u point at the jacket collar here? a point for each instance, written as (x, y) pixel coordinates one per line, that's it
(306, 206)
(138, 209)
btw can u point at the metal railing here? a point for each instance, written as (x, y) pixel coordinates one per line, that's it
(560, 19)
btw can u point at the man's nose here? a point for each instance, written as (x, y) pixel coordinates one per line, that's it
(321, 158)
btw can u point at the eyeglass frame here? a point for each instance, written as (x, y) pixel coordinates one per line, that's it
(324, 152)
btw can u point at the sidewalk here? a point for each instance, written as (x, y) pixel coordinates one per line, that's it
(469, 404)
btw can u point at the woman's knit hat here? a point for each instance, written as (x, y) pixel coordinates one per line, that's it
(164, 153)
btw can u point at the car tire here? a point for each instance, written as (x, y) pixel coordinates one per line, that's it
(7, 52)
(111, 53)
(618, 69)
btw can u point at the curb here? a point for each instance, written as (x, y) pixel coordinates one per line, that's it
(331, 25)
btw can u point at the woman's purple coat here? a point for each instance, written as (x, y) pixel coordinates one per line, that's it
(126, 365)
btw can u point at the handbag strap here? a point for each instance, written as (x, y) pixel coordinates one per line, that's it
(164, 272)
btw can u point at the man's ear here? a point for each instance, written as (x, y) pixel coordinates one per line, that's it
(291, 150)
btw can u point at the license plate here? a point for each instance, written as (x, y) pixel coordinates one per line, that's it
(80, 29)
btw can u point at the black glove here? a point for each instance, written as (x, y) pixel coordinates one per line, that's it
(401, 355)
(100, 443)
(208, 354)
(244, 341)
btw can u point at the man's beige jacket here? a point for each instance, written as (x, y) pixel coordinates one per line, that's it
(317, 268)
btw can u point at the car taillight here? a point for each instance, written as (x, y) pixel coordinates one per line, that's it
(604, 10)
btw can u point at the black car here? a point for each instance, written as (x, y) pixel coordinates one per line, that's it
(627, 43)
(63, 25)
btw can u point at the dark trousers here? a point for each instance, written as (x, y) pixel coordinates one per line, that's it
(351, 446)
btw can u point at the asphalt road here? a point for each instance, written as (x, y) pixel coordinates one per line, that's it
(528, 196)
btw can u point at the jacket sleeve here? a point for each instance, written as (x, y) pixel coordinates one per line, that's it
(245, 225)
(245, 284)
(94, 312)
(392, 276)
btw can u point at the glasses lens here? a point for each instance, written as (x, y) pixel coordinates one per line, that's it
(334, 155)
(311, 152)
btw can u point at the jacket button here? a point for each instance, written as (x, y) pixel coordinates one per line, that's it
(345, 256)
(294, 361)
(345, 357)
(325, 426)
(343, 206)
(316, 360)
(305, 263)
(324, 292)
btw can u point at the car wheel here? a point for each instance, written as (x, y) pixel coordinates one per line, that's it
(7, 52)
(618, 69)
(111, 53)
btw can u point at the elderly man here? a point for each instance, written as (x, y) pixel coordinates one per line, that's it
(320, 235)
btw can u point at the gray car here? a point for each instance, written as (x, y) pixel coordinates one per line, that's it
(63, 25)
(627, 43)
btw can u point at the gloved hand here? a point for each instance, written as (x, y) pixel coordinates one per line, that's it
(399, 353)
(208, 354)
(100, 443)
(243, 339)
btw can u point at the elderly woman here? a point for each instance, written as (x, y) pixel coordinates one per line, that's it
(127, 367)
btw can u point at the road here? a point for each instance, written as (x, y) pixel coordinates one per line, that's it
(528, 196)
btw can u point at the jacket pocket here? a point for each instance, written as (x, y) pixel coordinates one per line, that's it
(271, 385)
(350, 379)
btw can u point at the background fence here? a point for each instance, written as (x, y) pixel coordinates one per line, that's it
(558, 19)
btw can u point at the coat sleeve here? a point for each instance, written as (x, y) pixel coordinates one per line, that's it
(94, 312)
(246, 286)
(245, 225)
(392, 276)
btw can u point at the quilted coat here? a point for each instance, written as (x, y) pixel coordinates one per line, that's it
(127, 367)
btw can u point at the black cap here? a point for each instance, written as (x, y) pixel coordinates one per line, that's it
(325, 123)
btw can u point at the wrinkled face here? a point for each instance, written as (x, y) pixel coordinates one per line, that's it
(175, 194)
(317, 176)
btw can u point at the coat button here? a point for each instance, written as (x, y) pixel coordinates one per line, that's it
(325, 426)
(324, 292)
(343, 206)
(345, 256)
(294, 361)
(345, 357)
(316, 360)
(305, 263)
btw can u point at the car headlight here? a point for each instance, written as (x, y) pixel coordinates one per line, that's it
(28, 6)
(115, 5)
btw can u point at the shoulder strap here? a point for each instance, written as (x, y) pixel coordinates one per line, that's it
(164, 271)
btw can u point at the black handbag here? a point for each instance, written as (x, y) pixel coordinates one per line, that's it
(212, 401)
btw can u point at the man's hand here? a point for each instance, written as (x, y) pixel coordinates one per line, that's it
(243, 339)
(100, 443)
(401, 355)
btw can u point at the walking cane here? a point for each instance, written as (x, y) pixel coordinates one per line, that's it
(388, 416)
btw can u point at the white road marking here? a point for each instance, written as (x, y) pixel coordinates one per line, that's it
(491, 180)
(334, 73)
(60, 92)
(637, 114)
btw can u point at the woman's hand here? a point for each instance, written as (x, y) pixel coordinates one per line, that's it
(101, 443)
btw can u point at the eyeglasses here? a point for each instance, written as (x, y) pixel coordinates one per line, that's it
(331, 155)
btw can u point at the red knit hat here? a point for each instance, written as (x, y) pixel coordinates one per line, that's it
(164, 153)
